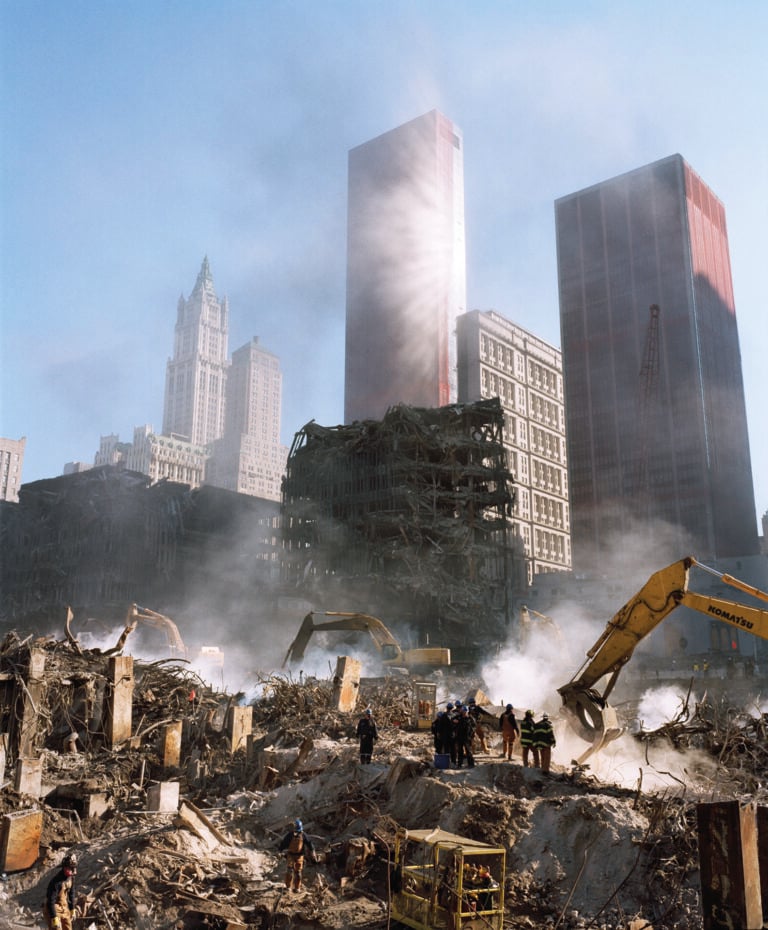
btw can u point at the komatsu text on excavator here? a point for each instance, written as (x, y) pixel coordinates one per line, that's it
(594, 719)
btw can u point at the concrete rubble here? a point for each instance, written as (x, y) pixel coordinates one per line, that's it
(176, 799)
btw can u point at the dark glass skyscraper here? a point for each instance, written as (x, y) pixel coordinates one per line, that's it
(406, 268)
(656, 419)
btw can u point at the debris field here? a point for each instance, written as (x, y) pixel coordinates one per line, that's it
(177, 824)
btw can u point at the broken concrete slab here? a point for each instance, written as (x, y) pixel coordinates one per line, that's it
(20, 833)
(346, 684)
(29, 777)
(163, 797)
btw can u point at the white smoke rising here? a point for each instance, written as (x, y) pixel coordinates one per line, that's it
(529, 676)
(660, 705)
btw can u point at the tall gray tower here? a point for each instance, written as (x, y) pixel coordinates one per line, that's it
(655, 236)
(406, 267)
(195, 377)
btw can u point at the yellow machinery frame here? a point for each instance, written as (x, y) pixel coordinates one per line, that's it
(436, 883)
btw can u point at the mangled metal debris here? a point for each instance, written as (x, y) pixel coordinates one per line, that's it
(413, 510)
(190, 841)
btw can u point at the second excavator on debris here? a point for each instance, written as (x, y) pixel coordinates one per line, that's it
(392, 654)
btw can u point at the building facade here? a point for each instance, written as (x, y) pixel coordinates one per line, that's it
(108, 537)
(497, 358)
(166, 457)
(662, 400)
(406, 268)
(249, 458)
(195, 380)
(11, 465)
(160, 458)
(407, 516)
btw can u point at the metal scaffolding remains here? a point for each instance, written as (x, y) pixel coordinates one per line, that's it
(416, 504)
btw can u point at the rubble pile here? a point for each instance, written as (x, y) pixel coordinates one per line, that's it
(193, 842)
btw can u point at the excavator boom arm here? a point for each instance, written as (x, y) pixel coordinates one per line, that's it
(660, 595)
(392, 653)
(381, 636)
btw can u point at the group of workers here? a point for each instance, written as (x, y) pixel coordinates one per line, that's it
(455, 729)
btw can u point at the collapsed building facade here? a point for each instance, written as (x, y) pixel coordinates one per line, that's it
(407, 516)
(99, 540)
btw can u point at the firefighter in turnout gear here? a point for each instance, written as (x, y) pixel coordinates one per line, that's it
(465, 731)
(528, 739)
(543, 741)
(59, 905)
(296, 844)
(509, 731)
(480, 733)
(367, 733)
(437, 731)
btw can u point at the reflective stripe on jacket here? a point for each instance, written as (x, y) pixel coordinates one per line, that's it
(527, 731)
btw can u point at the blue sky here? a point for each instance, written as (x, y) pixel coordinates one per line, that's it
(138, 137)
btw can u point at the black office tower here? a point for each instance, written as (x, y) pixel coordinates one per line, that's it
(656, 420)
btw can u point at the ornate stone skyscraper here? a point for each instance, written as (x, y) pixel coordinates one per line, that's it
(195, 380)
(654, 237)
(406, 267)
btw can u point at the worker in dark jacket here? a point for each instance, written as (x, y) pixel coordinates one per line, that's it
(465, 731)
(59, 905)
(528, 739)
(437, 729)
(544, 740)
(480, 732)
(296, 844)
(367, 733)
(509, 731)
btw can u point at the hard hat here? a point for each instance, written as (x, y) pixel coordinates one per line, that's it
(298, 825)
(509, 707)
(472, 701)
(449, 706)
(368, 710)
(545, 716)
(529, 713)
(69, 862)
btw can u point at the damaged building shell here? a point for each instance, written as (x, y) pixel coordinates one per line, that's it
(411, 511)
(99, 540)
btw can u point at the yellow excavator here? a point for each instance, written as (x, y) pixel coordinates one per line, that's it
(593, 718)
(391, 652)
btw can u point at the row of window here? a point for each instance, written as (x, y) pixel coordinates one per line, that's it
(552, 547)
(501, 355)
(545, 379)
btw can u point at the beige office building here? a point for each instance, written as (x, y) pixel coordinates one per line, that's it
(249, 458)
(11, 464)
(166, 457)
(497, 358)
